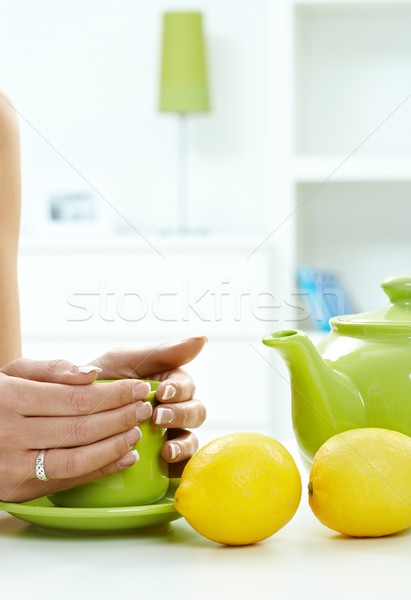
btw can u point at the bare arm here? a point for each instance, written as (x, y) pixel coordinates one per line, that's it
(10, 191)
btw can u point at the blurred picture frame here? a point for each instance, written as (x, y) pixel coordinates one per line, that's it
(61, 208)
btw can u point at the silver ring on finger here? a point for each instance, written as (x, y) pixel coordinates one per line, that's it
(40, 471)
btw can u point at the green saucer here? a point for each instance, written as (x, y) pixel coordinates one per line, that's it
(44, 514)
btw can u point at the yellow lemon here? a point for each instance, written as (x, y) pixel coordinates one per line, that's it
(360, 482)
(239, 489)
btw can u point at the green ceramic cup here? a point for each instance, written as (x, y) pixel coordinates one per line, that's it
(143, 483)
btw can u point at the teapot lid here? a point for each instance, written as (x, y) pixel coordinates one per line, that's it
(396, 317)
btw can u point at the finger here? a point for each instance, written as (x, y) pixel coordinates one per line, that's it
(177, 386)
(53, 371)
(181, 447)
(144, 362)
(77, 462)
(50, 399)
(122, 463)
(68, 432)
(185, 414)
(117, 449)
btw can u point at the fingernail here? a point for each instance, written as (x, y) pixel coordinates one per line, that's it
(86, 369)
(144, 410)
(164, 416)
(175, 450)
(128, 459)
(169, 392)
(141, 390)
(196, 337)
(133, 436)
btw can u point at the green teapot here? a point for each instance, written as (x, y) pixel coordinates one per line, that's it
(358, 376)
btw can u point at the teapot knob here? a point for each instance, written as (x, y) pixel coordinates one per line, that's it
(398, 288)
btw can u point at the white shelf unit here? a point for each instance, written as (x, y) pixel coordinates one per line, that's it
(350, 158)
(321, 169)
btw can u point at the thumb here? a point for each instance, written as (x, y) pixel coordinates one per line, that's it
(51, 371)
(144, 362)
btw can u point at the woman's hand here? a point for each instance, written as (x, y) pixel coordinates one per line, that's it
(88, 431)
(178, 410)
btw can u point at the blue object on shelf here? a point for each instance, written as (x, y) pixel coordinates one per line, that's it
(325, 295)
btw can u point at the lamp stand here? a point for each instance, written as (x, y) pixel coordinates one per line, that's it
(182, 195)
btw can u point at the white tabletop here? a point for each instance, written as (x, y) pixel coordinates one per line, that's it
(304, 560)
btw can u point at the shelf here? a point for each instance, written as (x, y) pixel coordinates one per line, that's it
(349, 3)
(147, 242)
(339, 168)
(351, 84)
(360, 230)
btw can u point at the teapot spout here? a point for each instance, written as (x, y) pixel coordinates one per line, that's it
(324, 401)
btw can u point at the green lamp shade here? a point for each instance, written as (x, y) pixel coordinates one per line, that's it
(183, 67)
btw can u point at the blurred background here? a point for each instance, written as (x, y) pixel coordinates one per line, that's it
(289, 184)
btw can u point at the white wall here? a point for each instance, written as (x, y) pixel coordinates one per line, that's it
(85, 76)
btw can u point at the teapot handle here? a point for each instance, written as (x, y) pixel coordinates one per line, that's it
(398, 288)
